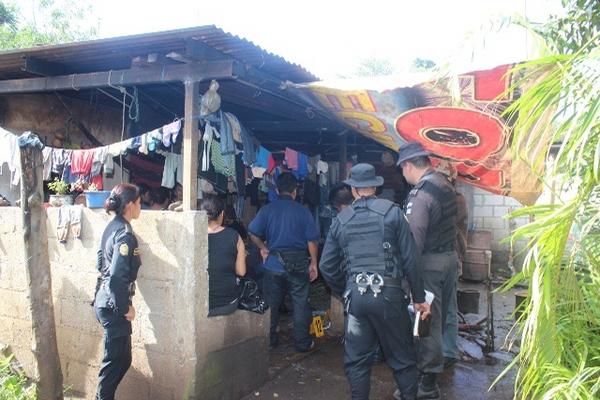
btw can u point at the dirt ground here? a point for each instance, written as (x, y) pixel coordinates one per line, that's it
(320, 374)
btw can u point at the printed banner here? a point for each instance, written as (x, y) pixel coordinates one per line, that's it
(472, 135)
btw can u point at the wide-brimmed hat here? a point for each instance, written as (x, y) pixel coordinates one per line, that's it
(363, 175)
(410, 150)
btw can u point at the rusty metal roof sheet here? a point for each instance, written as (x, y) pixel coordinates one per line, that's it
(117, 53)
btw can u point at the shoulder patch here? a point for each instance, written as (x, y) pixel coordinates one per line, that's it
(124, 249)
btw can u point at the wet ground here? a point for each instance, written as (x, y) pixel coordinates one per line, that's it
(320, 374)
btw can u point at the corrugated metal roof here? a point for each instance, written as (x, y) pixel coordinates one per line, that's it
(117, 53)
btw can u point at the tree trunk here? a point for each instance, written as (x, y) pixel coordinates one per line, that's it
(49, 377)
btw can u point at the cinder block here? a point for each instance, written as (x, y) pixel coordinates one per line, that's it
(500, 211)
(495, 223)
(493, 200)
(509, 201)
(77, 314)
(15, 304)
(483, 211)
(478, 222)
(478, 199)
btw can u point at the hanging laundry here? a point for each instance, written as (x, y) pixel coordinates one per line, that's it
(11, 154)
(60, 157)
(30, 139)
(173, 166)
(227, 143)
(143, 144)
(271, 164)
(81, 161)
(291, 158)
(69, 218)
(100, 156)
(136, 142)
(258, 172)
(154, 139)
(249, 147)
(207, 139)
(170, 133)
(119, 148)
(262, 158)
(223, 164)
(236, 128)
(47, 161)
(301, 172)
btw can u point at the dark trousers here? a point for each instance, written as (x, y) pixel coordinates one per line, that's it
(115, 363)
(275, 287)
(439, 276)
(382, 319)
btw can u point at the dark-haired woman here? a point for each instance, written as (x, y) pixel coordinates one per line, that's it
(226, 260)
(118, 264)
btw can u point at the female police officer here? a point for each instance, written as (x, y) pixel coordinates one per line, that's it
(118, 264)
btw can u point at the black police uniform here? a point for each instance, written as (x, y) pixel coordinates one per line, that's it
(431, 210)
(118, 264)
(372, 236)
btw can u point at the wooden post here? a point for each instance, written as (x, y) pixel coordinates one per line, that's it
(343, 140)
(45, 350)
(190, 145)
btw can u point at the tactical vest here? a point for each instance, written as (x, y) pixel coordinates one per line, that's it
(368, 245)
(446, 227)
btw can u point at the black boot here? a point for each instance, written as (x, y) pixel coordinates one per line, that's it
(428, 388)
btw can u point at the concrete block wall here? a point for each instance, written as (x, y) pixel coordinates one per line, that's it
(177, 351)
(488, 211)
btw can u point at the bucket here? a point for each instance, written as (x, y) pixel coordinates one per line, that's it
(96, 199)
(520, 298)
(468, 301)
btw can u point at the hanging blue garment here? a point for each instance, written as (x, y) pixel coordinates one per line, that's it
(302, 172)
(262, 158)
(227, 142)
(249, 156)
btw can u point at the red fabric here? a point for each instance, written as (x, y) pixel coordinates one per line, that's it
(272, 164)
(97, 180)
(81, 161)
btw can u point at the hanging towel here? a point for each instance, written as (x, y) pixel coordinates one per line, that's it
(69, 217)
(10, 153)
(207, 139)
(236, 128)
(302, 171)
(116, 149)
(227, 143)
(262, 158)
(143, 144)
(271, 164)
(170, 133)
(249, 156)
(81, 161)
(223, 164)
(173, 165)
(47, 161)
(100, 156)
(291, 158)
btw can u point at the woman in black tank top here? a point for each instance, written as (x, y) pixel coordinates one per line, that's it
(226, 260)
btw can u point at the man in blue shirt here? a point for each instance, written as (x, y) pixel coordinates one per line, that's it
(287, 237)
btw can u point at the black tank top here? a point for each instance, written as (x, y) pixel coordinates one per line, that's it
(222, 253)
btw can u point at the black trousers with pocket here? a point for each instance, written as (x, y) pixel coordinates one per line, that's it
(382, 319)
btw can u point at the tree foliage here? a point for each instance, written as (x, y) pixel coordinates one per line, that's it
(51, 22)
(560, 329)
(375, 67)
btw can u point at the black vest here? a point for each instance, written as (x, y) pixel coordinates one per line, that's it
(445, 229)
(368, 244)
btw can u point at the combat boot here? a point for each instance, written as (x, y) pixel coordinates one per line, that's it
(428, 388)
(400, 396)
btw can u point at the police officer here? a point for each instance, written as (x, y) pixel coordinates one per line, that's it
(373, 238)
(431, 210)
(118, 264)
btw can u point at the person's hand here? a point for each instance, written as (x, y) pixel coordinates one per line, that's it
(424, 308)
(313, 272)
(130, 316)
(264, 253)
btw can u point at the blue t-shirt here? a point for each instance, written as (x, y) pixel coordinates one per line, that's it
(285, 225)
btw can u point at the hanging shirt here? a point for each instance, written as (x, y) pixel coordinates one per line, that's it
(11, 154)
(170, 132)
(223, 164)
(173, 166)
(262, 158)
(291, 158)
(301, 172)
(47, 161)
(81, 161)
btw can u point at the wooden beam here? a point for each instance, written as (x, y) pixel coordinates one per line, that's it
(43, 68)
(199, 51)
(292, 126)
(190, 145)
(197, 72)
(48, 372)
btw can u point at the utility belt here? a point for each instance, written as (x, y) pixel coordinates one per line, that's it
(293, 261)
(374, 281)
(441, 249)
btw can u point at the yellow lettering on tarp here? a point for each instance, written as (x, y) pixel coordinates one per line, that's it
(369, 125)
(338, 100)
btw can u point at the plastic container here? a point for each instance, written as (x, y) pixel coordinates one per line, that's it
(96, 199)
